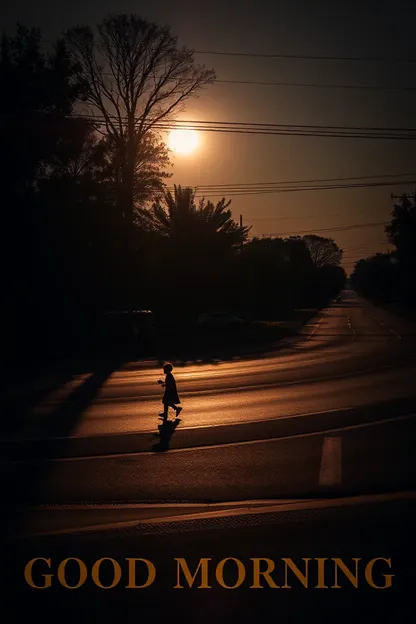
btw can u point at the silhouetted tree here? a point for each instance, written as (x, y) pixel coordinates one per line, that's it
(401, 233)
(330, 281)
(323, 251)
(374, 277)
(151, 163)
(78, 219)
(276, 276)
(39, 91)
(391, 277)
(178, 217)
(402, 229)
(197, 243)
(134, 76)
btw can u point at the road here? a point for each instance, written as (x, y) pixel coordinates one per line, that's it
(338, 362)
(330, 411)
(305, 452)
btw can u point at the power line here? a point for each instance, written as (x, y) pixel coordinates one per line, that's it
(310, 57)
(296, 126)
(293, 130)
(310, 188)
(280, 182)
(276, 129)
(195, 122)
(305, 57)
(316, 216)
(330, 135)
(292, 218)
(338, 229)
(349, 132)
(316, 85)
(313, 85)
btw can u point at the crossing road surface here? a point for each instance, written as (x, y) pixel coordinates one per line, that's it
(343, 359)
(333, 409)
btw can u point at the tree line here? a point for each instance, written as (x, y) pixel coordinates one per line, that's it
(88, 221)
(391, 277)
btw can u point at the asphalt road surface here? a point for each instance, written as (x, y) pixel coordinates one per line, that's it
(343, 359)
(330, 411)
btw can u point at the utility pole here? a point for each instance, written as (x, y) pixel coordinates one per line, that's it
(241, 225)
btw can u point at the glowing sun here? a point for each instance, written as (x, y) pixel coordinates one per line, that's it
(183, 141)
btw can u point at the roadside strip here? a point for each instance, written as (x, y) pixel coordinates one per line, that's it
(228, 511)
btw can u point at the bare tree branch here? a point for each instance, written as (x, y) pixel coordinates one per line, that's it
(134, 76)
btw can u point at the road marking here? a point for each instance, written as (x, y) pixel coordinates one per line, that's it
(318, 323)
(395, 333)
(399, 337)
(225, 444)
(351, 328)
(203, 426)
(331, 462)
(273, 507)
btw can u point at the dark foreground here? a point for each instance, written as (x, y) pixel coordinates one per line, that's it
(374, 530)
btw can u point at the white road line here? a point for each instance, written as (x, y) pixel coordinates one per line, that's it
(351, 327)
(318, 323)
(330, 472)
(183, 428)
(399, 337)
(228, 444)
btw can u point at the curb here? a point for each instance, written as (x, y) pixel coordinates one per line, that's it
(242, 509)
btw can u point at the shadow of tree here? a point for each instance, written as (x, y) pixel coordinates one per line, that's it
(18, 406)
(26, 477)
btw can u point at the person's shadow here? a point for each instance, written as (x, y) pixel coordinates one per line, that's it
(166, 431)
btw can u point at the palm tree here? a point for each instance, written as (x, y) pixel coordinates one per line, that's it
(194, 250)
(183, 222)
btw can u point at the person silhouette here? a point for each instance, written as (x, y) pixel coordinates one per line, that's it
(170, 396)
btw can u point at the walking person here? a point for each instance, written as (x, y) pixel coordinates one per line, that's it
(170, 396)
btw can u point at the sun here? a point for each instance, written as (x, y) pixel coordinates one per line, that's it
(183, 141)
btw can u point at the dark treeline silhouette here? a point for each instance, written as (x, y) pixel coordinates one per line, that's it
(88, 224)
(391, 277)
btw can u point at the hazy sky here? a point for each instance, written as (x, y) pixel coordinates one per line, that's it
(289, 27)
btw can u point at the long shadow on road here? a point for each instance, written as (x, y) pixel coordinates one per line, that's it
(17, 407)
(25, 479)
